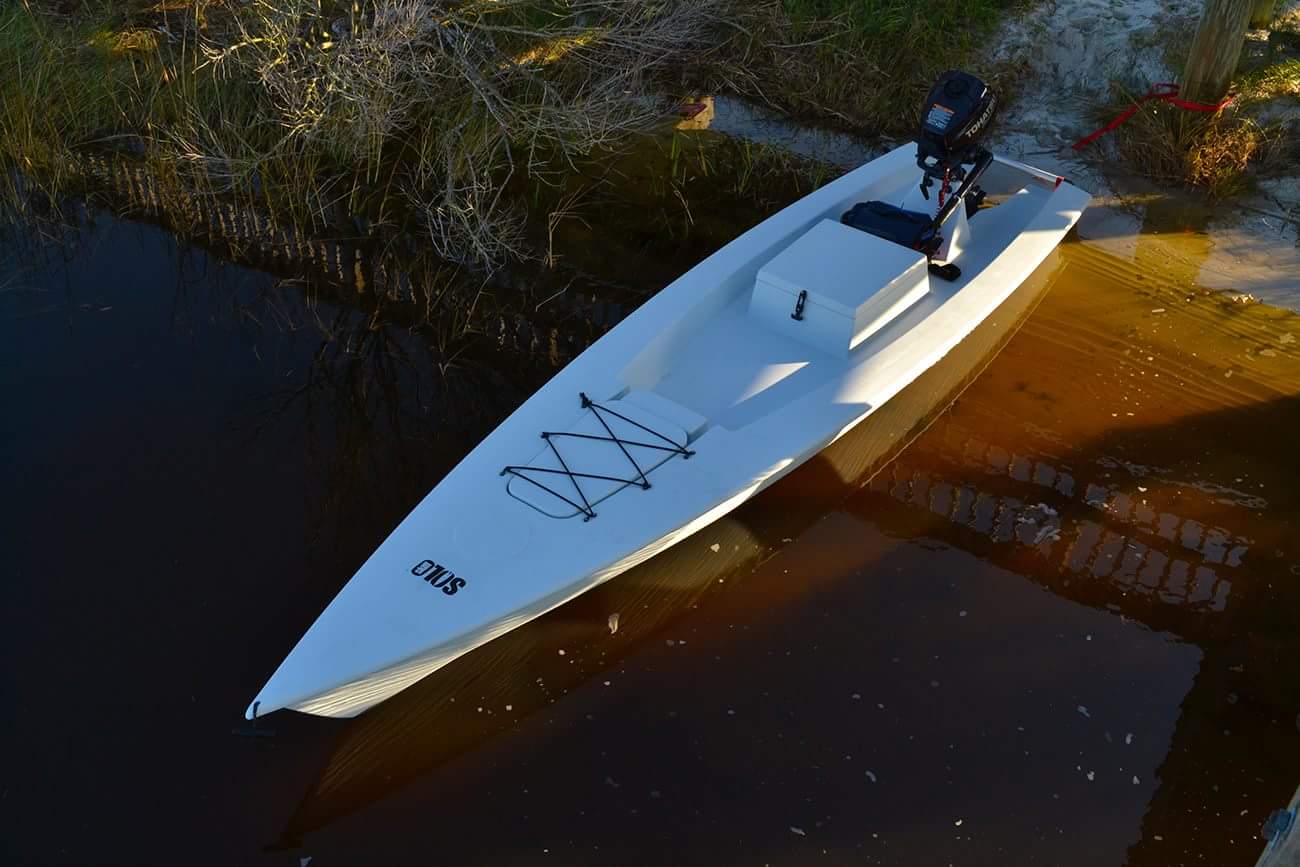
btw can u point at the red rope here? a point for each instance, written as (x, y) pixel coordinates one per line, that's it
(1163, 92)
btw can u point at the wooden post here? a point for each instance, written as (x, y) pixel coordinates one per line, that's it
(1216, 49)
(1261, 17)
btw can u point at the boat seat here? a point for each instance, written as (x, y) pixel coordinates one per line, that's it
(912, 229)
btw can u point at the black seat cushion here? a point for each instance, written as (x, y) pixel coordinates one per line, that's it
(910, 228)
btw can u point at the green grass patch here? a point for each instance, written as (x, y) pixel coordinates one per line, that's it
(1271, 82)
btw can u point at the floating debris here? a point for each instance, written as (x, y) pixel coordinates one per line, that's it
(1083, 710)
(871, 776)
(613, 623)
(799, 831)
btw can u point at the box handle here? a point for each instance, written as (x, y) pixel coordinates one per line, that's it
(797, 315)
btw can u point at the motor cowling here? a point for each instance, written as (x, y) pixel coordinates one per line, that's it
(956, 115)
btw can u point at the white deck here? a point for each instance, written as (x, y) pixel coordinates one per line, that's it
(752, 402)
(738, 370)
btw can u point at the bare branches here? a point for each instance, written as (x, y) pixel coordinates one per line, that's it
(455, 98)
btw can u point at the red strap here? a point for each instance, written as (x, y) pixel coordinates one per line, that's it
(944, 188)
(1163, 92)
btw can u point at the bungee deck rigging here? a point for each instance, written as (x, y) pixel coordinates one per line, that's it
(641, 480)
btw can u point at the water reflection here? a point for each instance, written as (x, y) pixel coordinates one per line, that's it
(1062, 617)
(1141, 523)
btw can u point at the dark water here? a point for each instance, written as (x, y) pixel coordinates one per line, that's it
(1052, 632)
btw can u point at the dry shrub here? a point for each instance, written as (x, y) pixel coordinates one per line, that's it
(768, 56)
(1221, 152)
(446, 100)
(1209, 152)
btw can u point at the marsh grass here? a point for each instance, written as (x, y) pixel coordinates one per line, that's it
(863, 64)
(1210, 152)
(657, 208)
(412, 112)
(447, 121)
(1217, 153)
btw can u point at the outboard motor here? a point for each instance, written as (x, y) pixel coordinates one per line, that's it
(955, 116)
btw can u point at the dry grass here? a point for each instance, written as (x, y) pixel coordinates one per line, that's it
(1208, 152)
(863, 64)
(1222, 150)
(437, 116)
(403, 109)
(443, 103)
(1219, 152)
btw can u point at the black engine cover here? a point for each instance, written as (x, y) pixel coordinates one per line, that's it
(955, 115)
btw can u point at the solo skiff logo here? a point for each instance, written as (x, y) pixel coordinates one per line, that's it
(438, 576)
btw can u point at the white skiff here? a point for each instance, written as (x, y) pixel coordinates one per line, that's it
(736, 373)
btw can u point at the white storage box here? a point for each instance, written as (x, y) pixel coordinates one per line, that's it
(856, 284)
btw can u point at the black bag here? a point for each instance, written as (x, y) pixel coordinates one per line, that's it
(910, 228)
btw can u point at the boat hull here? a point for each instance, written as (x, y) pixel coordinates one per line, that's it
(768, 404)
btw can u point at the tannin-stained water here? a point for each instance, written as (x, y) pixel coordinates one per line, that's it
(1059, 628)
